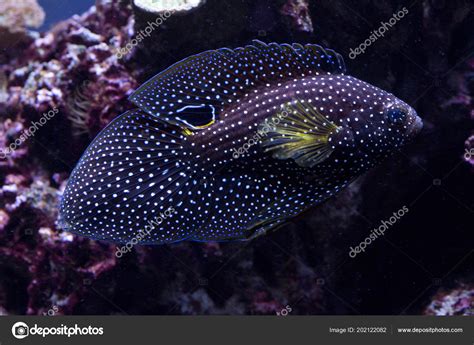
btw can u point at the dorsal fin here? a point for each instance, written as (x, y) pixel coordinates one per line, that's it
(192, 92)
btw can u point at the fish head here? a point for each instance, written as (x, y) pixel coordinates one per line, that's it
(401, 119)
(373, 125)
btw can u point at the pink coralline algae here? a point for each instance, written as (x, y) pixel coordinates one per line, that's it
(17, 14)
(10, 130)
(50, 267)
(298, 13)
(458, 301)
(74, 68)
(71, 68)
(469, 151)
(15, 17)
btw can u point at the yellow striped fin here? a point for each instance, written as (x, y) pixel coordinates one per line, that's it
(302, 133)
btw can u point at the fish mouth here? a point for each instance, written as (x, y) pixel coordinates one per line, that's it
(416, 126)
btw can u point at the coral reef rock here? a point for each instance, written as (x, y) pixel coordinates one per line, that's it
(459, 301)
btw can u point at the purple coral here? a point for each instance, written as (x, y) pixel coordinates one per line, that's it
(72, 68)
(465, 99)
(298, 13)
(469, 150)
(15, 17)
(459, 301)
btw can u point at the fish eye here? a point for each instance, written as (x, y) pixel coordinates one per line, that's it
(396, 114)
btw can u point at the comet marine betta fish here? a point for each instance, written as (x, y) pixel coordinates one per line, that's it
(229, 138)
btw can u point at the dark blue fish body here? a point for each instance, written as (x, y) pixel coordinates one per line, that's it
(237, 142)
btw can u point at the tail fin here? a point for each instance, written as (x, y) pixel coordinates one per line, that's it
(133, 170)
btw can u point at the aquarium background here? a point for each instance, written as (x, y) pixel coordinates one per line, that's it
(64, 58)
(61, 10)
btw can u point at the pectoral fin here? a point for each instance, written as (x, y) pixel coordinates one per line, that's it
(302, 134)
